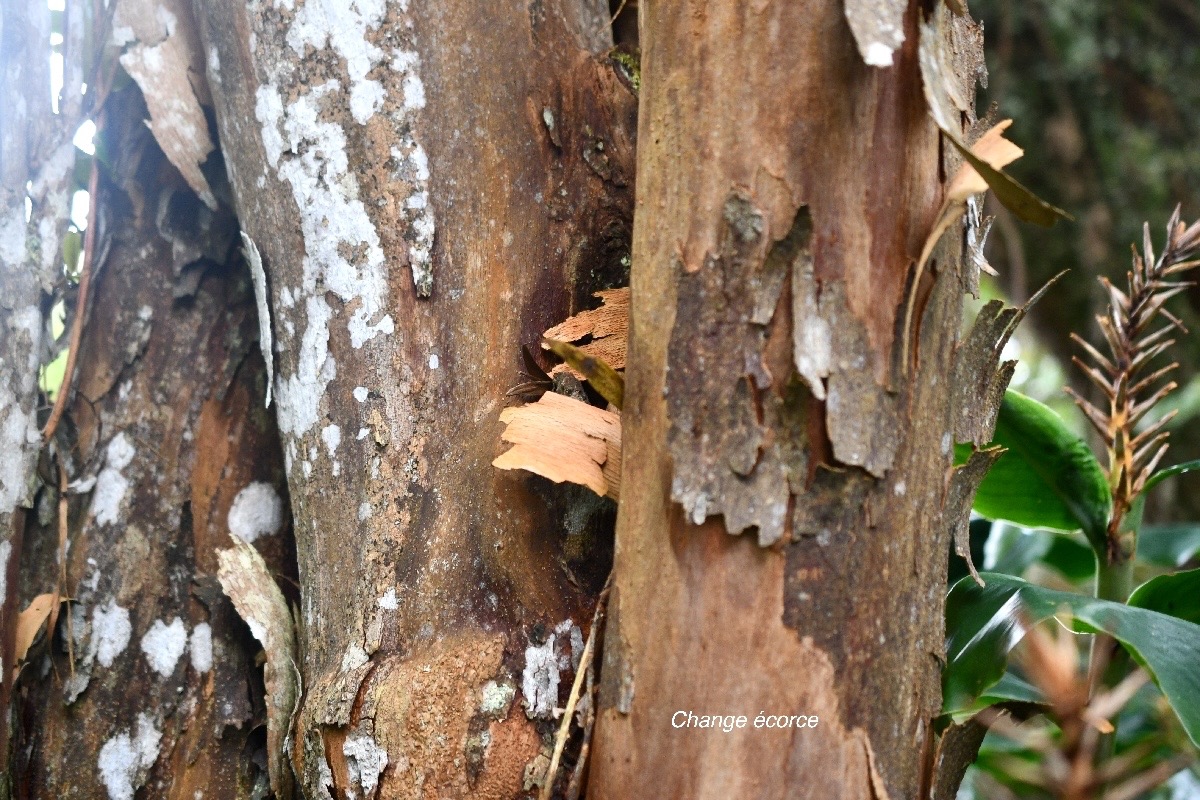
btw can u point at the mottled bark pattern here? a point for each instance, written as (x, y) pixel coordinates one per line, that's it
(167, 428)
(785, 191)
(430, 187)
(36, 161)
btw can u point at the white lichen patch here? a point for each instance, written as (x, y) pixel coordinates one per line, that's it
(354, 657)
(200, 647)
(256, 511)
(164, 644)
(360, 394)
(878, 54)
(389, 601)
(365, 761)
(126, 758)
(540, 678)
(111, 632)
(434, 362)
(19, 434)
(343, 27)
(111, 483)
(364, 509)
(496, 697)
(331, 435)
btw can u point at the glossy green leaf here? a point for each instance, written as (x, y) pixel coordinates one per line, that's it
(985, 622)
(1016, 549)
(1009, 689)
(1177, 595)
(1170, 472)
(1048, 478)
(1168, 545)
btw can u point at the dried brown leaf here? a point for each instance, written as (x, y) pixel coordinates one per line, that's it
(30, 621)
(603, 378)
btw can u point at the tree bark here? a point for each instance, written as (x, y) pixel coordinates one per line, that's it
(430, 189)
(157, 687)
(785, 189)
(36, 157)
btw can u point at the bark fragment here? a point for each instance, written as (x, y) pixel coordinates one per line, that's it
(255, 595)
(167, 63)
(605, 328)
(564, 439)
(878, 27)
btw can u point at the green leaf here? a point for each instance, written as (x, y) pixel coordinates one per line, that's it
(1177, 595)
(1016, 549)
(985, 622)
(1168, 545)
(1009, 689)
(1048, 478)
(1170, 472)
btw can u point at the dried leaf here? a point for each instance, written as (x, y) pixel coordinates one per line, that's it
(30, 621)
(603, 378)
(1011, 194)
(248, 583)
(940, 58)
(607, 327)
(565, 439)
(164, 57)
(991, 148)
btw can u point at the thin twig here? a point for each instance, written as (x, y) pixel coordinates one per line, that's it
(85, 281)
(564, 727)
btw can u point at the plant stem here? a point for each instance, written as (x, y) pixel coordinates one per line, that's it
(1114, 581)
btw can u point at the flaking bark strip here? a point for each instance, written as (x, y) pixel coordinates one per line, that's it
(979, 377)
(964, 480)
(736, 429)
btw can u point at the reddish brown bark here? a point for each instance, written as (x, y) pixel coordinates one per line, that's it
(785, 189)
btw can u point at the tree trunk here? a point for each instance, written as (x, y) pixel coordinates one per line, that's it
(785, 189)
(36, 157)
(157, 686)
(430, 189)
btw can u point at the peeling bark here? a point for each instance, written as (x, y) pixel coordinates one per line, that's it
(428, 193)
(773, 254)
(166, 433)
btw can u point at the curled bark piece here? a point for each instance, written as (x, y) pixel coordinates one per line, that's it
(607, 327)
(564, 439)
(248, 583)
(167, 64)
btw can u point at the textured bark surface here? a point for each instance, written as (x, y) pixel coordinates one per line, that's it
(166, 430)
(785, 191)
(430, 189)
(36, 157)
